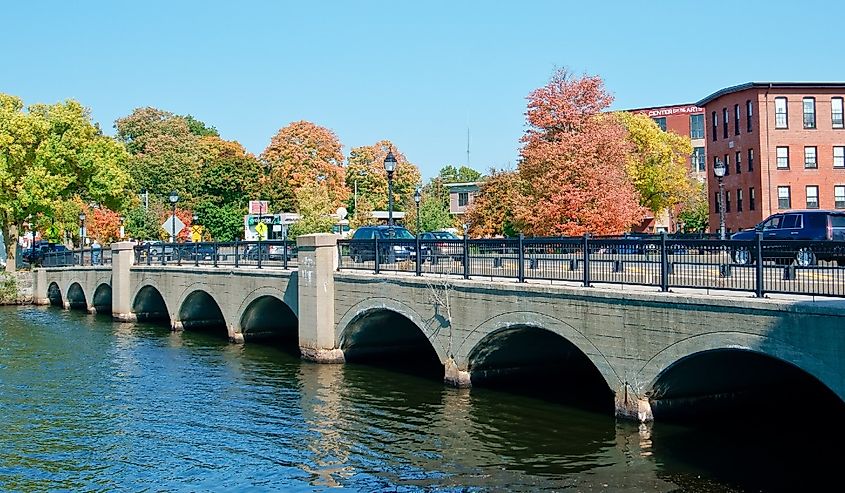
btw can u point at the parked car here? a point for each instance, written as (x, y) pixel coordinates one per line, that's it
(441, 249)
(269, 251)
(198, 251)
(36, 255)
(811, 225)
(362, 251)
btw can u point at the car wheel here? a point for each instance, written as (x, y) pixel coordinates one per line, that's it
(742, 256)
(805, 257)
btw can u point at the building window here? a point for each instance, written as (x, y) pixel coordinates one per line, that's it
(699, 162)
(809, 112)
(661, 122)
(783, 157)
(749, 113)
(781, 120)
(727, 200)
(696, 126)
(715, 126)
(727, 164)
(725, 123)
(839, 156)
(784, 201)
(738, 158)
(836, 120)
(752, 201)
(812, 197)
(736, 119)
(839, 196)
(750, 159)
(810, 157)
(463, 199)
(739, 200)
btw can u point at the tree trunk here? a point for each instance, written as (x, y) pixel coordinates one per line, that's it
(10, 243)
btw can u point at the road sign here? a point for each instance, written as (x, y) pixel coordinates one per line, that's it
(261, 229)
(168, 225)
(259, 206)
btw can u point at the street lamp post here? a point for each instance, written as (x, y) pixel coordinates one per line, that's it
(82, 230)
(719, 169)
(122, 230)
(417, 199)
(174, 197)
(390, 166)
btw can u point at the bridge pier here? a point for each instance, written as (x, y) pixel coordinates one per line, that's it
(455, 376)
(123, 256)
(316, 293)
(630, 406)
(39, 288)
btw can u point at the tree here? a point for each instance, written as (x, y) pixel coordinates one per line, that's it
(223, 222)
(362, 215)
(199, 128)
(166, 154)
(436, 187)
(143, 224)
(695, 210)
(492, 212)
(658, 165)
(366, 166)
(102, 224)
(49, 154)
(315, 207)
(573, 162)
(300, 155)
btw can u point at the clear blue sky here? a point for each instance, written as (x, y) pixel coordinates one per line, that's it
(416, 73)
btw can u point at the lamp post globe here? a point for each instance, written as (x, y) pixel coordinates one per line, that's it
(720, 169)
(390, 167)
(174, 197)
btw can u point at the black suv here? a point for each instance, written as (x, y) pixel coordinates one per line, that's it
(361, 251)
(812, 225)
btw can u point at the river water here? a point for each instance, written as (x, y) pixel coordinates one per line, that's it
(91, 405)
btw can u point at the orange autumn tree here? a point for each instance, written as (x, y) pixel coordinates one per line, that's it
(492, 209)
(299, 154)
(102, 225)
(573, 162)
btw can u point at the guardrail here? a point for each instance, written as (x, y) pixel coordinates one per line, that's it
(259, 254)
(759, 266)
(82, 256)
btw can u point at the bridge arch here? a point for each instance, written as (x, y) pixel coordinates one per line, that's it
(149, 305)
(199, 310)
(54, 294)
(76, 296)
(383, 329)
(528, 351)
(720, 372)
(102, 298)
(264, 316)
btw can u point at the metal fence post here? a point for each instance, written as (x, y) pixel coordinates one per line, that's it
(466, 255)
(664, 263)
(419, 255)
(197, 255)
(149, 254)
(758, 266)
(586, 247)
(261, 253)
(216, 250)
(285, 251)
(521, 258)
(237, 254)
(376, 256)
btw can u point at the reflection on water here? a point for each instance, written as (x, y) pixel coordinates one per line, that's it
(90, 404)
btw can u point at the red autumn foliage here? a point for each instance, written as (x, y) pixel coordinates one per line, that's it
(573, 162)
(102, 225)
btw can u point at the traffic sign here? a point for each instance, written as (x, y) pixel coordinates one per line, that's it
(168, 225)
(261, 229)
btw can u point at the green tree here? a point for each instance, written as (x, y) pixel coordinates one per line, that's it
(49, 154)
(695, 210)
(658, 164)
(223, 222)
(200, 128)
(363, 214)
(144, 224)
(314, 209)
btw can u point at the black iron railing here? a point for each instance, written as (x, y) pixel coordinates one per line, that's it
(788, 266)
(82, 256)
(271, 253)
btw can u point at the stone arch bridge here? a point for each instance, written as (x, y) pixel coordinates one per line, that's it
(642, 348)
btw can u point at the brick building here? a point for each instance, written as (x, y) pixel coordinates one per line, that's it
(784, 147)
(687, 120)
